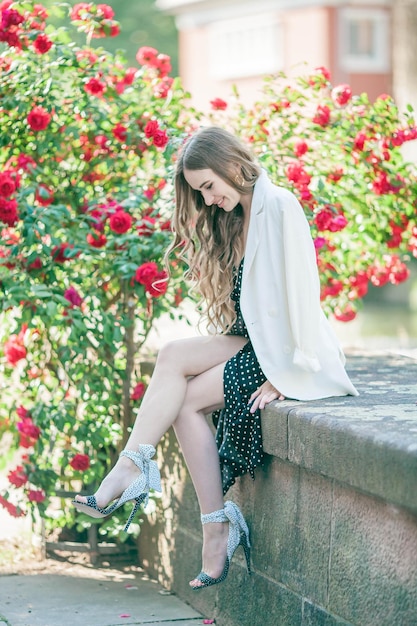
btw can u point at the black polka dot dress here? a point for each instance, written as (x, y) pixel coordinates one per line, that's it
(238, 431)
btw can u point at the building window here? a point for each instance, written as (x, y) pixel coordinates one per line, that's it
(246, 46)
(364, 41)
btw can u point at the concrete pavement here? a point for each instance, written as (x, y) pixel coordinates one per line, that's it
(87, 596)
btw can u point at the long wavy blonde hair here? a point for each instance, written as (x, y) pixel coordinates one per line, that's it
(208, 238)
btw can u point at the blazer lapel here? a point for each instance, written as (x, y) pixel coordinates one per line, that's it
(256, 221)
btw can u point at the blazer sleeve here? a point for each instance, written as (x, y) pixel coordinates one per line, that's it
(302, 284)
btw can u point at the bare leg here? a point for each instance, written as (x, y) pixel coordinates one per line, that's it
(204, 394)
(176, 363)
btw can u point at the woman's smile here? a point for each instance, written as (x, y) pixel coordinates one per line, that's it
(214, 189)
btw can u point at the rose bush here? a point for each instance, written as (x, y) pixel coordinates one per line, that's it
(85, 171)
(341, 155)
(86, 149)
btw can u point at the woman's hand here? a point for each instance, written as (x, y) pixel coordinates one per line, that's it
(263, 395)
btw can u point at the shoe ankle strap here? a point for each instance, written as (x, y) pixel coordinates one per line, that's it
(144, 454)
(142, 460)
(215, 516)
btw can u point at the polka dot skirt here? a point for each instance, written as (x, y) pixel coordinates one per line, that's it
(239, 434)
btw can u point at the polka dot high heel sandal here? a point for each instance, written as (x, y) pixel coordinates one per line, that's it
(137, 491)
(238, 536)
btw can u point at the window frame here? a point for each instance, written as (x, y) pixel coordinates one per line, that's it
(226, 63)
(380, 61)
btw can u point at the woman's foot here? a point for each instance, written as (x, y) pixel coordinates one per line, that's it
(215, 536)
(114, 484)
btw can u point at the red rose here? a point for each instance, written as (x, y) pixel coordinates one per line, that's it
(398, 271)
(333, 288)
(160, 138)
(14, 350)
(38, 118)
(95, 87)
(146, 273)
(296, 173)
(120, 132)
(36, 495)
(17, 477)
(120, 222)
(359, 284)
(163, 64)
(336, 174)
(11, 38)
(147, 56)
(73, 296)
(359, 141)
(218, 104)
(10, 17)
(159, 285)
(378, 275)
(319, 242)
(151, 127)
(322, 116)
(300, 148)
(341, 94)
(22, 412)
(42, 44)
(138, 391)
(129, 77)
(337, 223)
(25, 162)
(27, 428)
(80, 462)
(381, 184)
(323, 219)
(96, 239)
(345, 315)
(7, 185)
(8, 211)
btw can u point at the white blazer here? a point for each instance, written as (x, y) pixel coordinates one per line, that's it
(280, 300)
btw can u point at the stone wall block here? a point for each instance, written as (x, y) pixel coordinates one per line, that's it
(275, 429)
(256, 601)
(317, 616)
(373, 573)
(291, 527)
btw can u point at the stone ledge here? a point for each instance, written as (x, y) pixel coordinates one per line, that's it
(368, 442)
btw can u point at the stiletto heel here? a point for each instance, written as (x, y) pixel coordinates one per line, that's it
(238, 536)
(246, 549)
(138, 490)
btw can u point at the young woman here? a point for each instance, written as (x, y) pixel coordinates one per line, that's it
(251, 257)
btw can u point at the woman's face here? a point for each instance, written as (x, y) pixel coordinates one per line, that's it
(213, 189)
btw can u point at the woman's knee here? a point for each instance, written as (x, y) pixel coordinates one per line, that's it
(172, 354)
